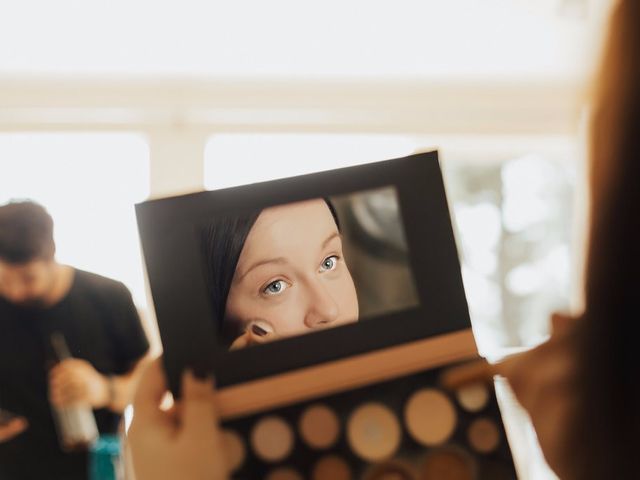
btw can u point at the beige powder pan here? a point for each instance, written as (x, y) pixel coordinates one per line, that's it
(284, 473)
(331, 467)
(272, 439)
(373, 432)
(319, 427)
(474, 397)
(483, 435)
(430, 417)
(391, 470)
(449, 463)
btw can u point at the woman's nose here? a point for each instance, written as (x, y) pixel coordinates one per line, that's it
(323, 309)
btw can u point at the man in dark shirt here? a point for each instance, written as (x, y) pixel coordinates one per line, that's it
(97, 318)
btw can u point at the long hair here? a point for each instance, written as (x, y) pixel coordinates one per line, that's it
(606, 425)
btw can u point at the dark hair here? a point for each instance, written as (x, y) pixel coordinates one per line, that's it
(26, 233)
(223, 241)
(606, 425)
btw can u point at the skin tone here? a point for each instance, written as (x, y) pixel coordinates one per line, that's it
(291, 277)
(12, 428)
(542, 380)
(182, 442)
(37, 284)
(42, 283)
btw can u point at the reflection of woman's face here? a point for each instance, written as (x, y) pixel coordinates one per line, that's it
(292, 272)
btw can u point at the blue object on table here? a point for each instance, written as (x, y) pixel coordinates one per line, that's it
(104, 461)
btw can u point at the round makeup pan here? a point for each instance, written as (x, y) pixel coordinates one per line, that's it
(474, 397)
(331, 467)
(284, 473)
(373, 432)
(449, 463)
(319, 427)
(272, 439)
(391, 470)
(430, 417)
(483, 435)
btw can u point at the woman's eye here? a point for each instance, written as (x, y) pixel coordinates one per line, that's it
(329, 263)
(275, 288)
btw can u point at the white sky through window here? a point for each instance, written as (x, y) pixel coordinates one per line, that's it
(289, 38)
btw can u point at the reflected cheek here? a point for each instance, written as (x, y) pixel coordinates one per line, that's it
(344, 292)
(286, 315)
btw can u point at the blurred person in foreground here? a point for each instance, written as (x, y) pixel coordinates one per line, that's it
(97, 318)
(581, 388)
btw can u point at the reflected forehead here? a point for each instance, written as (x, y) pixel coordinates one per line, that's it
(300, 218)
(282, 229)
(295, 214)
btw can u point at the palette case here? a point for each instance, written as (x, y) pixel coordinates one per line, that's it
(374, 380)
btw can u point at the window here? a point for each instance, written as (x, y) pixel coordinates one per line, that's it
(236, 159)
(514, 211)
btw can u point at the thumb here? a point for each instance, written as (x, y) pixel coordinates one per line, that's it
(199, 415)
(561, 324)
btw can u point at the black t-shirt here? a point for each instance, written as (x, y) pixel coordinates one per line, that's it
(101, 325)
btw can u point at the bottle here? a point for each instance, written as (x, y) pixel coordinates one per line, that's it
(75, 424)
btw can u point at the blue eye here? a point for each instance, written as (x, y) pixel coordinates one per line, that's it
(275, 288)
(329, 263)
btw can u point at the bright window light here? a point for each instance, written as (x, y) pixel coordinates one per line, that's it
(89, 184)
(512, 199)
(237, 159)
(289, 38)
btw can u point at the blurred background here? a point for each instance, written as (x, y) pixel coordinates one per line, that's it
(103, 104)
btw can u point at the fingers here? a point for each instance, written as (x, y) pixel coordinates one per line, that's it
(561, 323)
(64, 377)
(149, 394)
(472, 372)
(12, 428)
(257, 331)
(197, 408)
(66, 389)
(67, 395)
(241, 342)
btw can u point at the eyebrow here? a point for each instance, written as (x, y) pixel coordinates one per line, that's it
(282, 260)
(331, 237)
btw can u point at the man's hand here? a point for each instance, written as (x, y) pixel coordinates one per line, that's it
(76, 381)
(184, 442)
(12, 428)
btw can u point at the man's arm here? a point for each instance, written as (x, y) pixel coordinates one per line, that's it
(75, 380)
(12, 427)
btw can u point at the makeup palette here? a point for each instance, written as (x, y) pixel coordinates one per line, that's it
(335, 398)
(407, 428)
